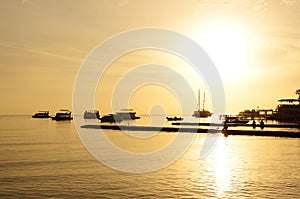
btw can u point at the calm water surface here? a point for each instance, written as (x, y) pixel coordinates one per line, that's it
(43, 158)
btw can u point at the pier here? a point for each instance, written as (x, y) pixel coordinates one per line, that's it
(258, 114)
(236, 125)
(196, 130)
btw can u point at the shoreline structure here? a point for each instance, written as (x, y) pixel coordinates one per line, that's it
(195, 130)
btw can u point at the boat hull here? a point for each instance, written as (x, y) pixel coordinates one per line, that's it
(110, 119)
(202, 113)
(288, 113)
(40, 116)
(174, 118)
(61, 118)
(238, 122)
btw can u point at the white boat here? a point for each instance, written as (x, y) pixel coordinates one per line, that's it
(91, 114)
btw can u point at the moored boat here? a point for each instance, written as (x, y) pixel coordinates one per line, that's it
(41, 114)
(91, 114)
(234, 119)
(288, 110)
(201, 113)
(111, 118)
(127, 114)
(174, 118)
(63, 114)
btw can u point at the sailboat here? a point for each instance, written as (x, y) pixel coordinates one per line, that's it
(203, 112)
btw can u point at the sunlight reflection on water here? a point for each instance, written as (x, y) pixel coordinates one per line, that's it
(44, 158)
(221, 168)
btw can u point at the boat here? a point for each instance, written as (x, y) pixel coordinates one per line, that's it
(91, 114)
(252, 114)
(63, 114)
(174, 118)
(111, 118)
(288, 110)
(127, 114)
(234, 119)
(201, 113)
(41, 114)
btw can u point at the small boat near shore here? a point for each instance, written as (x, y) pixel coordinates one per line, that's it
(238, 121)
(63, 114)
(41, 114)
(174, 118)
(234, 119)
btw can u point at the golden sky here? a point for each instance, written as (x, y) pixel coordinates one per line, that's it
(255, 45)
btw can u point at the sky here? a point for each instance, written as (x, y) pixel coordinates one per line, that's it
(255, 45)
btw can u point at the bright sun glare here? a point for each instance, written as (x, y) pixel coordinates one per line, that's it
(227, 44)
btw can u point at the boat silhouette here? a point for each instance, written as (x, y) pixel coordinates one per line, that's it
(63, 114)
(41, 114)
(111, 118)
(127, 114)
(174, 118)
(288, 110)
(201, 113)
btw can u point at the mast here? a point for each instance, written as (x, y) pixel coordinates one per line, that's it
(298, 93)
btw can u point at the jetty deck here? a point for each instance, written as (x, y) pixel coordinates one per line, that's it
(236, 125)
(196, 130)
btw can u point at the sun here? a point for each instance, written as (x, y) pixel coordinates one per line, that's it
(227, 45)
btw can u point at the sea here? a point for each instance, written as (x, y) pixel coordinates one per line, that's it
(41, 158)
